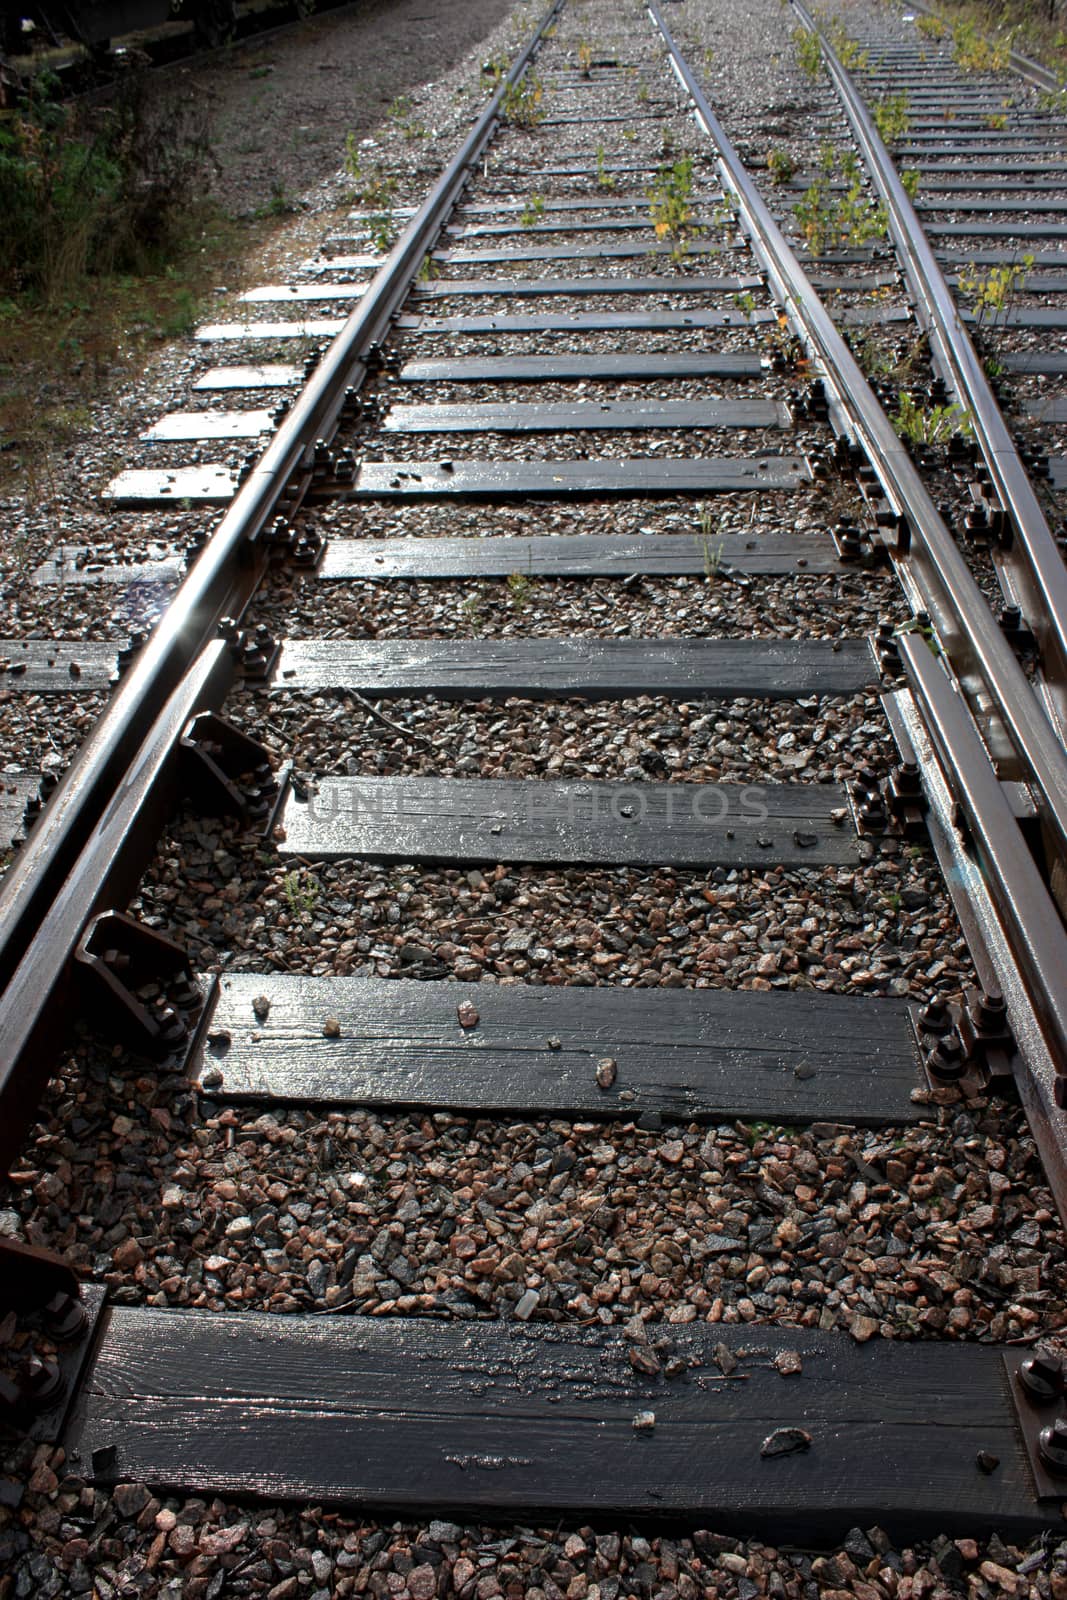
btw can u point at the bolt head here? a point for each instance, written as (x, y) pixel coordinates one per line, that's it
(1052, 1445)
(947, 1059)
(1042, 1377)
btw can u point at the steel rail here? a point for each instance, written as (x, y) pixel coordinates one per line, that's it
(933, 567)
(34, 1013)
(1022, 931)
(1034, 564)
(1041, 77)
(221, 572)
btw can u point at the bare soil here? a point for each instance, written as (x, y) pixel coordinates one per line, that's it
(280, 108)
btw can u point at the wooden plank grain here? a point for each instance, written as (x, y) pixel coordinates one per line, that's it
(58, 666)
(314, 328)
(544, 823)
(179, 427)
(267, 376)
(586, 415)
(560, 368)
(587, 284)
(650, 475)
(681, 1053)
(209, 484)
(148, 580)
(593, 668)
(420, 1416)
(579, 555)
(700, 246)
(652, 320)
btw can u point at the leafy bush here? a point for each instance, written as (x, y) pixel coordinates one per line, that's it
(89, 191)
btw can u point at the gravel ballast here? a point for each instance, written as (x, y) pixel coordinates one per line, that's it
(943, 1229)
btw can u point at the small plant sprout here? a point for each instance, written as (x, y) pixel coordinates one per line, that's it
(585, 58)
(993, 292)
(604, 178)
(891, 117)
(930, 425)
(997, 120)
(848, 52)
(301, 889)
(377, 192)
(830, 219)
(809, 53)
(670, 207)
(712, 558)
(780, 166)
(1053, 101)
(522, 103)
(533, 211)
(520, 590)
(382, 230)
(910, 180)
(472, 613)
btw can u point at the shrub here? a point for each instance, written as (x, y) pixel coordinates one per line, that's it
(88, 191)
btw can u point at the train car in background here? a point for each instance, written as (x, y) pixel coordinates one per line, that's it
(96, 23)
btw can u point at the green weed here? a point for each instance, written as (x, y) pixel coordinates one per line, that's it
(976, 52)
(90, 190)
(832, 219)
(848, 52)
(301, 890)
(278, 203)
(522, 103)
(931, 424)
(669, 204)
(521, 590)
(533, 211)
(383, 232)
(993, 292)
(472, 609)
(891, 117)
(809, 53)
(780, 166)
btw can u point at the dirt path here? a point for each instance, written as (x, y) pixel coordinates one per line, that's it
(280, 110)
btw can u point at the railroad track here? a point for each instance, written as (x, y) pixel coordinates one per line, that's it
(621, 716)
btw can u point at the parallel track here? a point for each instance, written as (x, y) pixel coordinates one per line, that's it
(564, 1408)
